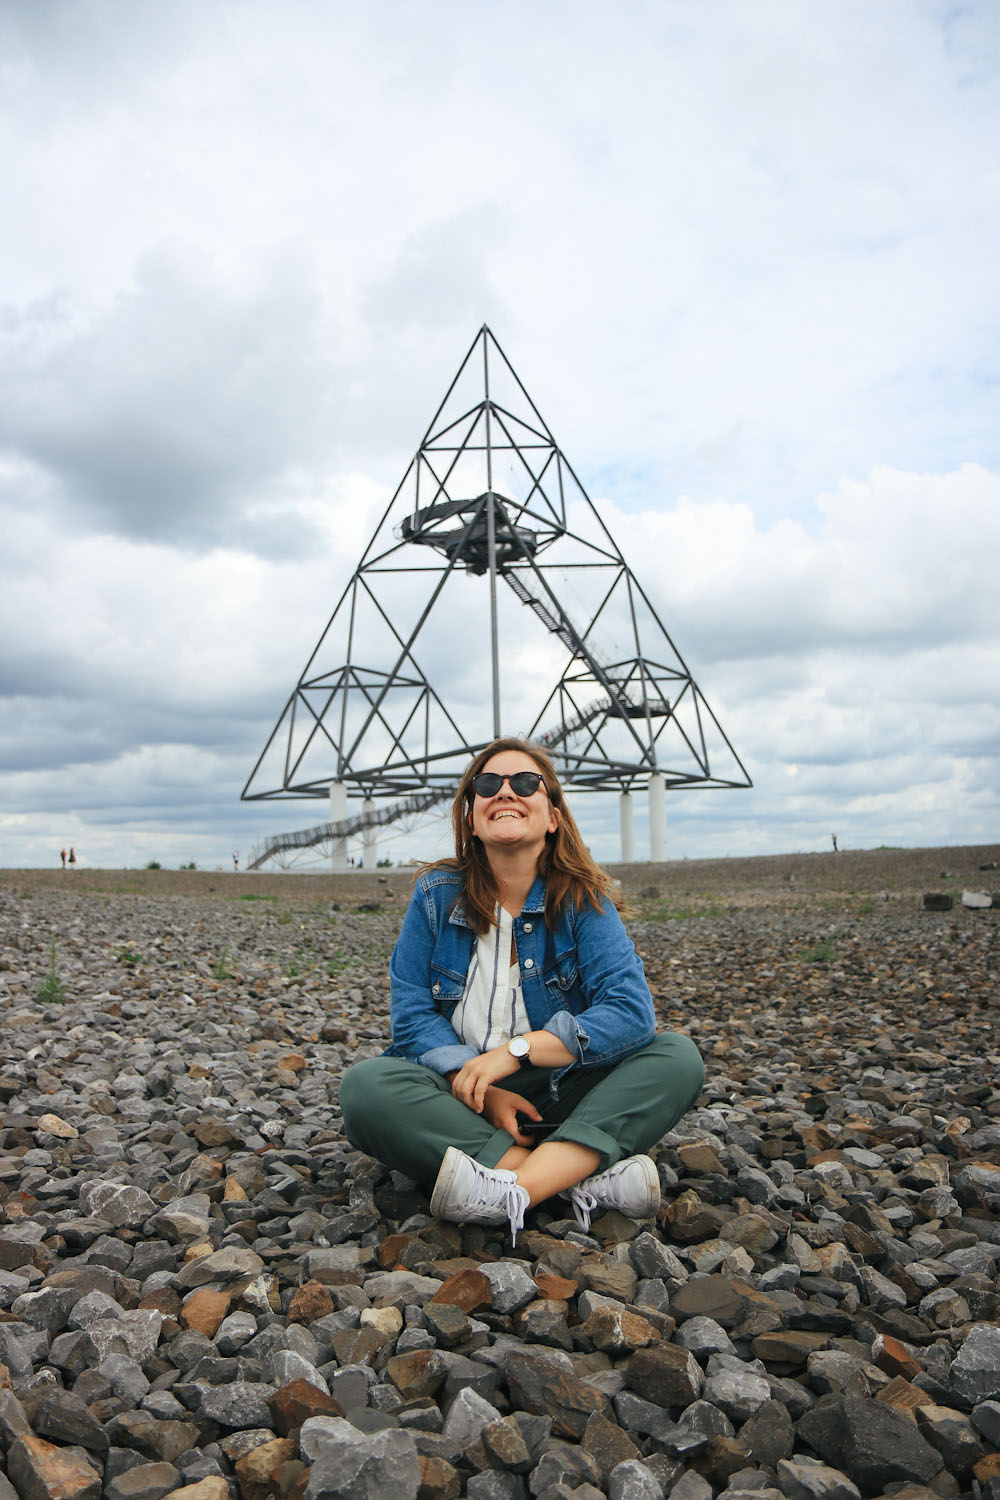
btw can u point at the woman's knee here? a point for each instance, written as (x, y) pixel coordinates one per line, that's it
(364, 1087)
(684, 1070)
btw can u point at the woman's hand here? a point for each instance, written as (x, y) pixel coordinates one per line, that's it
(471, 1081)
(502, 1108)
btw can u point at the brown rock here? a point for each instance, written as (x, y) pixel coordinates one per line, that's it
(690, 1221)
(555, 1288)
(419, 1373)
(358, 1346)
(296, 1402)
(505, 1447)
(390, 1251)
(439, 1480)
(606, 1443)
(608, 1278)
(903, 1396)
(892, 1356)
(164, 1300)
(699, 1157)
(616, 1330)
(43, 1471)
(212, 1488)
(542, 1387)
(788, 1349)
(256, 1471)
(310, 1301)
(721, 1457)
(469, 1290)
(666, 1374)
(204, 1310)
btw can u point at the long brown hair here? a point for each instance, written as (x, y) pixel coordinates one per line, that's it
(571, 876)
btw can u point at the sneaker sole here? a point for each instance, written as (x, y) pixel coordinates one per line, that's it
(450, 1164)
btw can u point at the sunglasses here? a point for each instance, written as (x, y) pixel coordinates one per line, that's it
(522, 783)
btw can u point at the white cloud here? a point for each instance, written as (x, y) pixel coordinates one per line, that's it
(743, 259)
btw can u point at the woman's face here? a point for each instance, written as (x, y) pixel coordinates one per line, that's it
(507, 821)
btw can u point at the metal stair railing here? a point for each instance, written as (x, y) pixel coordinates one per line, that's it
(308, 838)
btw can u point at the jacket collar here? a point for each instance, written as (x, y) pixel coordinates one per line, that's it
(535, 902)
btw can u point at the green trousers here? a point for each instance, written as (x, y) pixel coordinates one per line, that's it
(405, 1115)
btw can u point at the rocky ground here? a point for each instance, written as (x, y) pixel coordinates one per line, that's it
(203, 1289)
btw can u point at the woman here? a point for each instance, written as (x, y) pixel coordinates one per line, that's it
(518, 1001)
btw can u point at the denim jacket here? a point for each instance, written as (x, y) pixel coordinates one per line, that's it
(583, 980)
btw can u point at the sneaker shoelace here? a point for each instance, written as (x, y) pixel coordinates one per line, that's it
(509, 1197)
(584, 1204)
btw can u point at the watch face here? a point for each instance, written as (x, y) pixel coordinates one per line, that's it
(518, 1046)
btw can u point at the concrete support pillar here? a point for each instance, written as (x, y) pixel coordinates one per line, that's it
(369, 838)
(657, 818)
(338, 812)
(625, 813)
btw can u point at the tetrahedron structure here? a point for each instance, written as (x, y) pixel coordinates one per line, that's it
(492, 573)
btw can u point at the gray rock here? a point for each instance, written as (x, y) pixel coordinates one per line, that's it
(241, 1404)
(874, 1443)
(117, 1203)
(144, 1482)
(808, 1479)
(975, 1373)
(511, 1285)
(468, 1415)
(631, 1480)
(350, 1465)
(738, 1393)
(496, 1484)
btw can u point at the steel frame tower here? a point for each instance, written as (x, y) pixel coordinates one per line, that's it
(489, 495)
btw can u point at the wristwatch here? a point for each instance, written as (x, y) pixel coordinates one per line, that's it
(519, 1048)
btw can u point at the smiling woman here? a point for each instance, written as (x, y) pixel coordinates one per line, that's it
(519, 1009)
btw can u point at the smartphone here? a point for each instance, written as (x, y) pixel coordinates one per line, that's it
(528, 1126)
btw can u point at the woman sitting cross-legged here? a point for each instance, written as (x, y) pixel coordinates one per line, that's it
(518, 1000)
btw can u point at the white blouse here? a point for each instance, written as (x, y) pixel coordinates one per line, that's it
(492, 1008)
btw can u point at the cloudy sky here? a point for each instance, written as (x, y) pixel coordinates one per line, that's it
(743, 255)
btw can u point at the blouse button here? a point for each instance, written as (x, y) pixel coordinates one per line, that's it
(527, 926)
(529, 963)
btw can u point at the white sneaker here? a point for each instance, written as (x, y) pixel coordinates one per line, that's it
(467, 1193)
(631, 1186)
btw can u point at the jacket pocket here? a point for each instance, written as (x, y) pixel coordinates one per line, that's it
(446, 988)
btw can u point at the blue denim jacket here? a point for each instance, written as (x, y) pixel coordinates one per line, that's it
(583, 980)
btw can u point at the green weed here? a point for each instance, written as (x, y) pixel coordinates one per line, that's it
(50, 991)
(824, 953)
(219, 970)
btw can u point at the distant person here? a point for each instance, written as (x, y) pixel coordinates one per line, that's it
(236, 860)
(72, 857)
(524, 1059)
(834, 837)
(62, 853)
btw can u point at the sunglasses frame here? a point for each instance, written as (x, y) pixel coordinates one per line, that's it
(510, 779)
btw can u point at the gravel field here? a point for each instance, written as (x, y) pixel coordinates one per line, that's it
(204, 1291)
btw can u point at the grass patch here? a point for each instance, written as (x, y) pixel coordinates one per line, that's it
(219, 970)
(50, 991)
(255, 896)
(823, 953)
(127, 956)
(662, 911)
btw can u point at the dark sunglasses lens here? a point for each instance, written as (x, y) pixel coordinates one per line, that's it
(522, 783)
